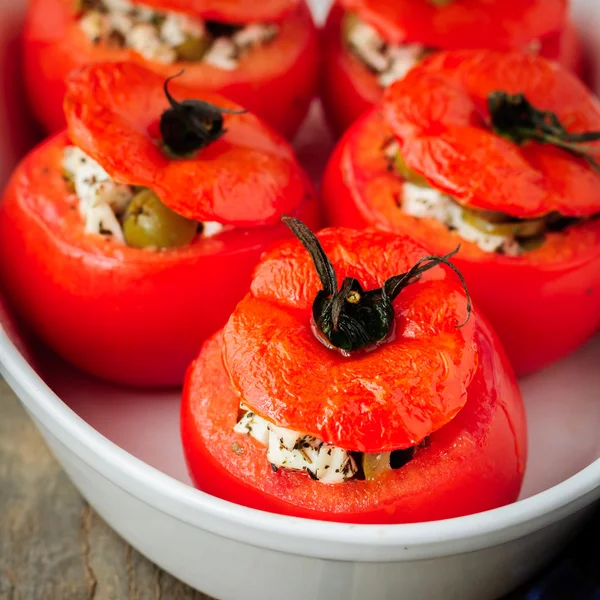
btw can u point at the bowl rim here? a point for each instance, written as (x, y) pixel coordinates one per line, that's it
(337, 541)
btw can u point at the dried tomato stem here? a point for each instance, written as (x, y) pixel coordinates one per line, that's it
(516, 119)
(191, 125)
(351, 318)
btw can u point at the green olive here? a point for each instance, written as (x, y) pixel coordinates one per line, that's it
(376, 465)
(349, 22)
(69, 181)
(407, 174)
(530, 228)
(148, 223)
(532, 243)
(193, 49)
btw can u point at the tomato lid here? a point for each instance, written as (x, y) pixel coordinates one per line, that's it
(381, 399)
(229, 11)
(440, 114)
(247, 177)
(456, 24)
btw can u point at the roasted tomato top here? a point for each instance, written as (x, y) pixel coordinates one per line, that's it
(247, 177)
(229, 11)
(502, 132)
(387, 397)
(455, 24)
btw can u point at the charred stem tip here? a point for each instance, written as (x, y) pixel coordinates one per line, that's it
(394, 285)
(168, 80)
(445, 261)
(313, 246)
(174, 103)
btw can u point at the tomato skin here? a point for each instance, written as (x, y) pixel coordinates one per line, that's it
(349, 89)
(474, 463)
(543, 305)
(277, 82)
(130, 316)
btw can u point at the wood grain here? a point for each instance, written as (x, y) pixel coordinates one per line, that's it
(53, 546)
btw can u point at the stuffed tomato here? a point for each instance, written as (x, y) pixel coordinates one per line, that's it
(369, 44)
(130, 238)
(380, 399)
(260, 54)
(495, 152)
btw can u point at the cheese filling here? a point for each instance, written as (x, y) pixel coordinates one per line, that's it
(428, 202)
(287, 449)
(421, 202)
(103, 201)
(168, 37)
(390, 62)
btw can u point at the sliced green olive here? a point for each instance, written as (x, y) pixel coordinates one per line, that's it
(376, 465)
(519, 229)
(148, 223)
(193, 49)
(407, 174)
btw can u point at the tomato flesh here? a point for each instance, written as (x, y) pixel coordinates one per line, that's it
(276, 81)
(473, 463)
(543, 304)
(131, 316)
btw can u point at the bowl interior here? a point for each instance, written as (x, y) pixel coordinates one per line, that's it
(561, 401)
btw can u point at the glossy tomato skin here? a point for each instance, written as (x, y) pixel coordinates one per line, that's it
(474, 463)
(349, 89)
(131, 316)
(543, 305)
(277, 82)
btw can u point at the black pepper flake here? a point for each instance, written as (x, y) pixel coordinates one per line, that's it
(237, 448)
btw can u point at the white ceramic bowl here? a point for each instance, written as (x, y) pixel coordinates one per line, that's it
(121, 449)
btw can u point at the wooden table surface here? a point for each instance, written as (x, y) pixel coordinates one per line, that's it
(53, 546)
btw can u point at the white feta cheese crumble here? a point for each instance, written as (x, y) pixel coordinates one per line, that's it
(402, 60)
(157, 35)
(222, 54)
(390, 62)
(288, 449)
(429, 202)
(93, 25)
(369, 45)
(100, 198)
(176, 28)
(256, 33)
(144, 39)
(211, 228)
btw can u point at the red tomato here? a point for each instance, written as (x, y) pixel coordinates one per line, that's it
(123, 314)
(349, 89)
(275, 81)
(248, 178)
(428, 379)
(544, 303)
